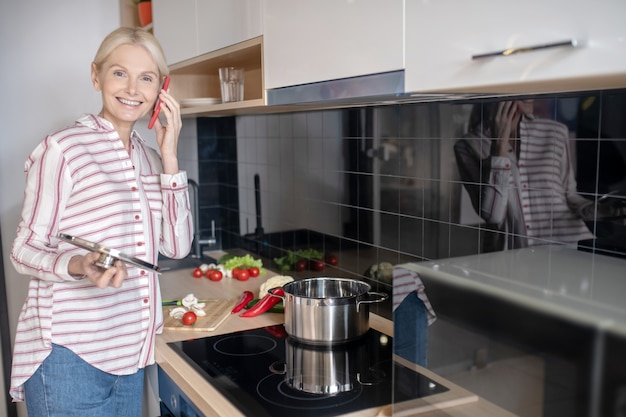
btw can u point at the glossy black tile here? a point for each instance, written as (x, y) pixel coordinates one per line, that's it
(389, 176)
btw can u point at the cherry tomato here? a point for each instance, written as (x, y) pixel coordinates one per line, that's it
(316, 265)
(332, 260)
(235, 272)
(243, 275)
(189, 318)
(300, 265)
(197, 273)
(254, 272)
(214, 274)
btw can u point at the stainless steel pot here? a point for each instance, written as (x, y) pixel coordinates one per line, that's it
(328, 310)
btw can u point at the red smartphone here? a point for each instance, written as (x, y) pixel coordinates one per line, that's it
(157, 105)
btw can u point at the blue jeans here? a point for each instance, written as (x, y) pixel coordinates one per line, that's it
(66, 386)
(410, 330)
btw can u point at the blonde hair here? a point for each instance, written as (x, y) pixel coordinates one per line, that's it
(131, 36)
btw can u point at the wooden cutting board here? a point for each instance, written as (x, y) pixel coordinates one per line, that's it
(216, 312)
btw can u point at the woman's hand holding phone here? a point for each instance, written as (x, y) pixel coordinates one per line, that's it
(167, 133)
(157, 105)
(506, 120)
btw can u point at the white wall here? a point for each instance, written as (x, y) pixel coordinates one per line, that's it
(46, 48)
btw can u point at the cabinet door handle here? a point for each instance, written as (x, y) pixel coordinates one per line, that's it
(511, 51)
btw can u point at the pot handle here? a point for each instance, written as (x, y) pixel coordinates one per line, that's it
(274, 368)
(376, 378)
(271, 292)
(382, 297)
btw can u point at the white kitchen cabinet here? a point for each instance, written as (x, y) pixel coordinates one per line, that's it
(174, 25)
(222, 23)
(443, 35)
(199, 37)
(188, 28)
(309, 41)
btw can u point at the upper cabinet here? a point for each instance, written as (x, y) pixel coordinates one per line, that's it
(200, 36)
(308, 41)
(371, 48)
(175, 26)
(302, 42)
(190, 28)
(223, 23)
(444, 37)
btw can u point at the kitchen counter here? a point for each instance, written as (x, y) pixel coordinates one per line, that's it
(580, 287)
(177, 284)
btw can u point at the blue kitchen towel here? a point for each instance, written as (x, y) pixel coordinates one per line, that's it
(410, 330)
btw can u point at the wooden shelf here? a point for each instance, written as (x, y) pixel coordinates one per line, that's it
(199, 78)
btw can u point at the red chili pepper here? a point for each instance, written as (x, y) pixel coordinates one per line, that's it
(277, 331)
(265, 303)
(245, 298)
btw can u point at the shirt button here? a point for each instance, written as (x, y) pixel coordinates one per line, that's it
(174, 184)
(142, 272)
(137, 217)
(139, 243)
(145, 301)
(134, 189)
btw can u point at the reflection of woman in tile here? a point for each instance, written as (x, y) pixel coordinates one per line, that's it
(518, 173)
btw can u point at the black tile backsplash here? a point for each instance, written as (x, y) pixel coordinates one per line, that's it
(217, 169)
(382, 184)
(383, 177)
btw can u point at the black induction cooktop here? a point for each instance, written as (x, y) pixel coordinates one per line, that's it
(264, 373)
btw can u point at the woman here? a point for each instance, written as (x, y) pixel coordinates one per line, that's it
(518, 174)
(85, 334)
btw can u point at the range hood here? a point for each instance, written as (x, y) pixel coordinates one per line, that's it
(371, 89)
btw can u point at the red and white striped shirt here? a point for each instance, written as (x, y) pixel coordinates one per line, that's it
(81, 181)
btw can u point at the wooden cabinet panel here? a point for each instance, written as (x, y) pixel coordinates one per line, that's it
(198, 78)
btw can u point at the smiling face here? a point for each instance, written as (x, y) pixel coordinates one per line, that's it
(130, 83)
